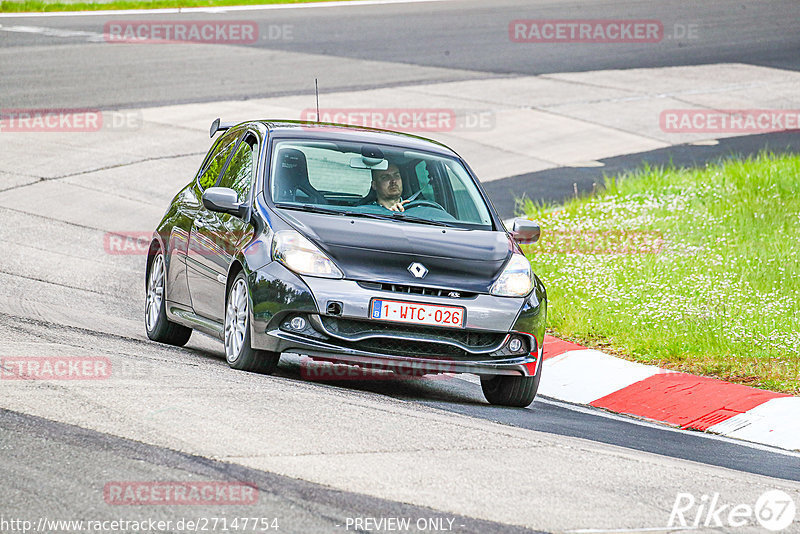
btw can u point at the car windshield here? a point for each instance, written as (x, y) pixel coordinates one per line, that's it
(360, 179)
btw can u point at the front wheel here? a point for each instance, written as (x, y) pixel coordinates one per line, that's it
(158, 327)
(238, 352)
(516, 391)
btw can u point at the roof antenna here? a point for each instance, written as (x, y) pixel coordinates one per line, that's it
(316, 92)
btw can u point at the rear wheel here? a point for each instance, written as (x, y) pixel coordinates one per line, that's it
(238, 352)
(516, 391)
(158, 327)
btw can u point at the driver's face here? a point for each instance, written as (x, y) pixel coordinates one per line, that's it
(387, 184)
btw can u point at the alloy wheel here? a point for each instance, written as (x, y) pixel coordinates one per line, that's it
(236, 320)
(155, 292)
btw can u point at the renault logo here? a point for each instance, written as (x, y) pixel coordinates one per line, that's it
(418, 270)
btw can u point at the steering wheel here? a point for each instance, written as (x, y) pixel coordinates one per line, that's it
(423, 203)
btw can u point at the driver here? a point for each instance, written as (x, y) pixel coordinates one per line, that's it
(388, 187)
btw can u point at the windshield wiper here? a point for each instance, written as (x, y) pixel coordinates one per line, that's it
(410, 218)
(368, 215)
(328, 211)
(307, 207)
(395, 216)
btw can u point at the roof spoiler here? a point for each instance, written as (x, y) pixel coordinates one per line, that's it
(218, 126)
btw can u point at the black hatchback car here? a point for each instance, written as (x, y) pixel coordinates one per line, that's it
(348, 245)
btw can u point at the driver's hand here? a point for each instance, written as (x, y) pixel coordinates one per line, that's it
(399, 206)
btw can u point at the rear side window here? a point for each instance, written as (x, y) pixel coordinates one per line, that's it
(210, 174)
(424, 179)
(239, 174)
(469, 203)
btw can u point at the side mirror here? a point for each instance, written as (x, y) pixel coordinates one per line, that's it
(224, 200)
(525, 231)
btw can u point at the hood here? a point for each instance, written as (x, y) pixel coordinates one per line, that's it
(372, 250)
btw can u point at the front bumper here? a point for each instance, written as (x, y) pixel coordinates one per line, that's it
(483, 347)
(520, 365)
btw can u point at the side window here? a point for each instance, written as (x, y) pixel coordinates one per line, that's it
(471, 207)
(238, 176)
(458, 186)
(210, 174)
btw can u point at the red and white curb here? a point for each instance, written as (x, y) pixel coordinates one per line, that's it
(578, 375)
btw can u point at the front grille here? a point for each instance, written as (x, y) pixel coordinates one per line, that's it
(393, 338)
(403, 347)
(418, 290)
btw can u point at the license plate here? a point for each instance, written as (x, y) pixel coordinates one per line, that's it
(412, 312)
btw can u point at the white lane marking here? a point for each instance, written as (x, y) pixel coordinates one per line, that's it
(706, 142)
(225, 9)
(623, 530)
(587, 163)
(774, 422)
(54, 32)
(588, 410)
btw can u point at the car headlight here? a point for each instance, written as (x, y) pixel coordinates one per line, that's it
(302, 256)
(516, 279)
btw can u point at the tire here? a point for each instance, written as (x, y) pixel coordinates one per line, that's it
(515, 391)
(158, 327)
(238, 351)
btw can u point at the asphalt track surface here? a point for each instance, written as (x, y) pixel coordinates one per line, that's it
(364, 47)
(52, 468)
(548, 415)
(39, 453)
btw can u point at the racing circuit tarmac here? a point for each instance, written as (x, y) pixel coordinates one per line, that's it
(321, 454)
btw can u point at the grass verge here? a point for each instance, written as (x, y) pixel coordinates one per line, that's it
(695, 270)
(46, 5)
